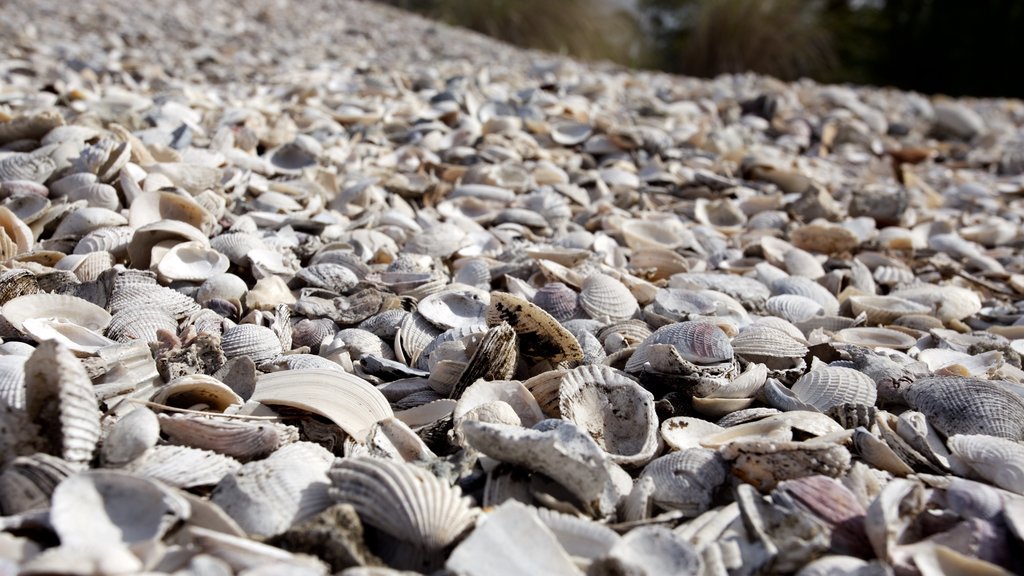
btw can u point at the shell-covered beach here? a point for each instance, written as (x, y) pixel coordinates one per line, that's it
(323, 287)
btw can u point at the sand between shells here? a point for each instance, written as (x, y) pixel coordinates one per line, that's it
(333, 289)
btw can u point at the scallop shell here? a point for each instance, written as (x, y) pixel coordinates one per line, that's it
(192, 261)
(268, 496)
(182, 467)
(59, 398)
(237, 246)
(422, 514)
(948, 302)
(606, 299)
(256, 342)
(151, 296)
(82, 221)
(829, 386)
(349, 401)
(616, 411)
(808, 288)
(329, 276)
(773, 348)
(686, 481)
(996, 460)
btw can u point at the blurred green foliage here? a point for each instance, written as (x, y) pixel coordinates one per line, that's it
(950, 46)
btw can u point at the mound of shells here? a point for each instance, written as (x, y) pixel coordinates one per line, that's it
(321, 287)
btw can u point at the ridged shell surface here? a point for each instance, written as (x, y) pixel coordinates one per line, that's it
(256, 342)
(558, 300)
(830, 386)
(696, 341)
(968, 406)
(606, 299)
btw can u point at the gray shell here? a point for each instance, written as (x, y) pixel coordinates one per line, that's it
(956, 405)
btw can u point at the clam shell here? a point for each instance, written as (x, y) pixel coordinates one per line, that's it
(616, 411)
(268, 496)
(808, 288)
(182, 467)
(15, 283)
(420, 512)
(12, 381)
(148, 237)
(346, 400)
(59, 398)
(27, 482)
(606, 299)
(885, 309)
(793, 307)
(150, 296)
(455, 308)
(697, 341)
(140, 324)
(192, 261)
(870, 337)
(197, 392)
(82, 221)
(948, 302)
(768, 346)
(62, 307)
(112, 239)
(130, 437)
(32, 167)
(683, 432)
(329, 276)
(829, 386)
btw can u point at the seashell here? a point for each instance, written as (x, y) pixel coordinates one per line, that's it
(268, 496)
(414, 335)
(87, 267)
(696, 341)
(192, 261)
(870, 337)
(885, 309)
(65, 185)
(607, 300)
(329, 276)
(890, 514)
(351, 344)
(191, 177)
(641, 235)
(743, 289)
(422, 515)
(96, 195)
(996, 460)
(808, 288)
(82, 221)
(130, 437)
(825, 238)
(148, 237)
(140, 324)
(562, 451)
(237, 246)
(616, 412)
(832, 503)
(12, 381)
(113, 240)
(538, 334)
(182, 467)
(570, 133)
(801, 263)
(151, 296)
(314, 333)
(258, 343)
(558, 300)
(686, 481)
(773, 348)
(59, 398)
(454, 308)
(31, 167)
(15, 283)
(764, 464)
(948, 302)
(226, 287)
(683, 432)
(197, 392)
(650, 550)
(346, 400)
(828, 387)
(474, 272)
(495, 548)
(106, 514)
(27, 482)
(31, 126)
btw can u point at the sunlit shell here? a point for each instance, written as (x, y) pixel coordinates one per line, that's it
(142, 295)
(420, 512)
(686, 480)
(146, 240)
(697, 342)
(196, 392)
(948, 302)
(256, 342)
(614, 410)
(793, 307)
(829, 386)
(539, 335)
(131, 436)
(774, 348)
(454, 308)
(808, 288)
(885, 309)
(61, 307)
(956, 405)
(875, 337)
(997, 460)
(193, 262)
(558, 300)
(606, 299)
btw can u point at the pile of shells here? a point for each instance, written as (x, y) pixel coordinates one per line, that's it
(332, 289)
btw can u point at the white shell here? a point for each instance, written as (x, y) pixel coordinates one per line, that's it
(192, 261)
(606, 299)
(830, 386)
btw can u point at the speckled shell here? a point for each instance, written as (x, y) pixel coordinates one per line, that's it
(956, 405)
(830, 386)
(606, 299)
(329, 276)
(540, 335)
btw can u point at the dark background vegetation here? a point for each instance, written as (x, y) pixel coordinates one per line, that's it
(954, 47)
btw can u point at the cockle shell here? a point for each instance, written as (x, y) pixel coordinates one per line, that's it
(256, 342)
(955, 405)
(606, 299)
(59, 398)
(996, 460)
(828, 387)
(696, 341)
(420, 512)
(773, 348)
(558, 300)
(686, 480)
